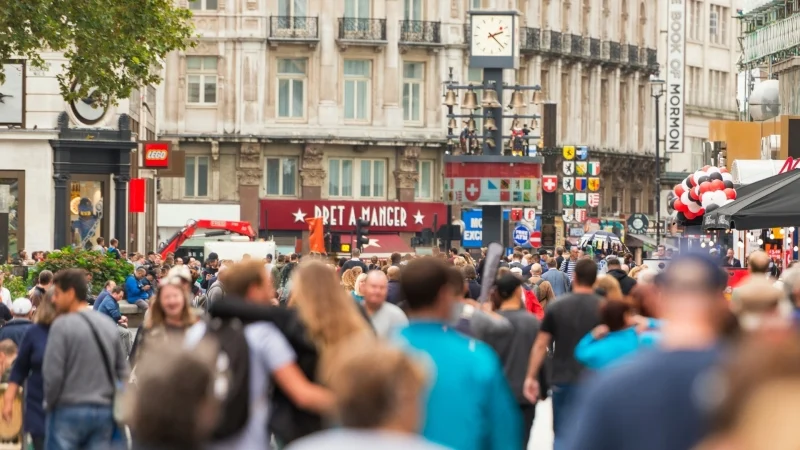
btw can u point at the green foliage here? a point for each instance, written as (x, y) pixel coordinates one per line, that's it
(113, 45)
(102, 267)
(15, 284)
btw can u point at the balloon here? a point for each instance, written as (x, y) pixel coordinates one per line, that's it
(719, 197)
(730, 193)
(704, 187)
(706, 199)
(715, 176)
(685, 198)
(690, 216)
(702, 179)
(723, 170)
(679, 189)
(711, 207)
(690, 181)
(694, 208)
(727, 177)
(697, 175)
(728, 184)
(712, 169)
(694, 194)
(678, 206)
(705, 168)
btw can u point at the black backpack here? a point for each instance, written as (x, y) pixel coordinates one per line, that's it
(232, 385)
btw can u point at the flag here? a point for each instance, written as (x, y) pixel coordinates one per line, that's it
(594, 168)
(136, 195)
(580, 199)
(567, 200)
(580, 184)
(316, 235)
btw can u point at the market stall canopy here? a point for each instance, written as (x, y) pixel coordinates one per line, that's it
(749, 171)
(775, 204)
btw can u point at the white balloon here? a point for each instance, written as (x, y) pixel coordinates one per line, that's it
(685, 198)
(697, 176)
(727, 177)
(712, 170)
(719, 197)
(706, 199)
(694, 207)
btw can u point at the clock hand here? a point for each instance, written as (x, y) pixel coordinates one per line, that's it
(501, 45)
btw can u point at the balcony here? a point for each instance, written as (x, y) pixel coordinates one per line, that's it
(530, 40)
(633, 55)
(566, 40)
(420, 33)
(615, 52)
(293, 30)
(594, 49)
(778, 39)
(576, 46)
(652, 59)
(551, 41)
(362, 32)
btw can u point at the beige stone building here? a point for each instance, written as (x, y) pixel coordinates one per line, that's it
(340, 103)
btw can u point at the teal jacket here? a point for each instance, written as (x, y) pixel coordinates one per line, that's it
(470, 405)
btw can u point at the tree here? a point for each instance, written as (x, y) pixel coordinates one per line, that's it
(111, 45)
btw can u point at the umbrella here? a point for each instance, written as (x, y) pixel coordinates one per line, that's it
(602, 240)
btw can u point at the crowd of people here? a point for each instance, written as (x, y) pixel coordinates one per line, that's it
(416, 352)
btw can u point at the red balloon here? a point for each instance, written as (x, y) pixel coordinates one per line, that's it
(701, 212)
(705, 168)
(705, 187)
(723, 170)
(717, 185)
(730, 193)
(679, 206)
(690, 215)
(679, 189)
(691, 180)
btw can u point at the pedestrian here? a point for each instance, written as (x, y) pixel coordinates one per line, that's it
(469, 386)
(15, 329)
(110, 308)
(358, 288)
(386, 318)
(355, 261)
(378, 392)
(393, 289)
(473, 288)
(626, 283)
(137, 289)
(8, 354)
(609, 413)
(565, 323)
(568, 264)
(83, 365)
(210, 266)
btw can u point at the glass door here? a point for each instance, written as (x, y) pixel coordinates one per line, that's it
(88, 211)
(292, 14)
(357, 15)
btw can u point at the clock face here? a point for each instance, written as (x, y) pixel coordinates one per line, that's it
(86, 109)
(492, 35)
(12, 94)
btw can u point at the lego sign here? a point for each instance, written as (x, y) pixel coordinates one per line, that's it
(156, 155)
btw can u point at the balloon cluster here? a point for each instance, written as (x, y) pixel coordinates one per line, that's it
(702, 192)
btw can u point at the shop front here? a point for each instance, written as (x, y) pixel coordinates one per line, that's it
(392, 224)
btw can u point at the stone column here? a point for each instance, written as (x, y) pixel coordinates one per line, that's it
(312, 174)
(61, 182)
(406, 176)
(329, 69)
(249, 173)
(121, 209)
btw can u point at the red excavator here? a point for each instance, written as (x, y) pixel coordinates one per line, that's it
(221, 228)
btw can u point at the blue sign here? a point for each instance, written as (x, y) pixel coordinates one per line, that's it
(521, 235)
(473, 228)
(582, 152)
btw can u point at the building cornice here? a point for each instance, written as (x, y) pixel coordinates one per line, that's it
(277, 139)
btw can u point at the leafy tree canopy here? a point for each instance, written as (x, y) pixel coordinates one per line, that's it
(113, 45)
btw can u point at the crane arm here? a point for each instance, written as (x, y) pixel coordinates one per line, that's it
(174, 242)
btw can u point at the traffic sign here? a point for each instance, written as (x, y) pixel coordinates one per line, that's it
(521, 234)
(536, 239)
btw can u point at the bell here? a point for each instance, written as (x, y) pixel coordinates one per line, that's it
(517, 100)
(450, 98)
(471, 124)
(535, 123)
(452, 123)
(514, 124)
(490, 142)
(489, 125)
(538, 97)
(470, 100)
(490, 99)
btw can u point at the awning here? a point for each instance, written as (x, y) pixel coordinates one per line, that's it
(641, 240)
(748, 171)
(383, 245)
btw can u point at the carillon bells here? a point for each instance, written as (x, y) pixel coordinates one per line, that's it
(517, 100)
(450, 98)
(470, 124)
(538, 97)
(452, 123)
(490, 125)
(470, 100)
(490, 99)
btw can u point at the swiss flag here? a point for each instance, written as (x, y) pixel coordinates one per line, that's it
(549, 183)
(472, 189)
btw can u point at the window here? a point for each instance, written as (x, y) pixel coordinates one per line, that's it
(358, 9)
(201, 71)
(203, 5)
(697, 155)
(717, 24)
(424, 187)
(636, 202)
(413, 79)
(291, 88)
(694, 88)
(369, 175)
(196, 180)
(412, 10)
(357, 80)
(695, 20)
(718, 83)
(281, 176)
(475, 4)
(292, 8)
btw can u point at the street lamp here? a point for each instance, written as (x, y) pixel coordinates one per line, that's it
(656, 91)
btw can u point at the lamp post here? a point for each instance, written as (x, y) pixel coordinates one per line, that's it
(656, 91)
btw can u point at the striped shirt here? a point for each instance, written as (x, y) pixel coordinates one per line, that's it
(568, 266)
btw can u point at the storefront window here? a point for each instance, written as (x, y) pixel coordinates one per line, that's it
(86, 213)
(11, 214)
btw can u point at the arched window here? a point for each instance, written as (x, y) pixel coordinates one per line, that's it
(623, 24)
(642, 25)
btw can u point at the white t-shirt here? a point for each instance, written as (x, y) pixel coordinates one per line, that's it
(269, 352)
(347, 439)
(387, 319)
(5, 294)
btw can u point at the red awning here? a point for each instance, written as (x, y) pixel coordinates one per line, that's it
(383, 245)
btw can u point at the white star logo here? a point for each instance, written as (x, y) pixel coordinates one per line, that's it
(418, 217)
(299, 216)
(373, 243)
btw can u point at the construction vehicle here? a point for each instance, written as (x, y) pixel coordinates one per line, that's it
(217, 227)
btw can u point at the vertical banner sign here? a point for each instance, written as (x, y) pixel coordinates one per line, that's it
(676, 67)
(136, 195)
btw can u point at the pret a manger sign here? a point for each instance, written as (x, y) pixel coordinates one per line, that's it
(676, 66)
(377, 216)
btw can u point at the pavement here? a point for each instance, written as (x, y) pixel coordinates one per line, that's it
(542, 434)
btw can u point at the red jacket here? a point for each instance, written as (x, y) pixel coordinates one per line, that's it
(532, 304)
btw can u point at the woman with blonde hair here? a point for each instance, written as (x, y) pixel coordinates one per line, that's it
(320, 316)
(608, 287)
(636, 270)
(358, 292)
(28, 369)
(349, 279)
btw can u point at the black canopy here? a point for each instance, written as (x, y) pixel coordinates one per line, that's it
(772, 202)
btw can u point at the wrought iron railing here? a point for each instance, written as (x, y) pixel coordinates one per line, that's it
(576, 45)
(551, 41)
(652, 59)
(357, 29)
(623, 54)
(594, 48)
(530, 39)
(420, 32)
(615, 52)
(633, 55)
(293, 27)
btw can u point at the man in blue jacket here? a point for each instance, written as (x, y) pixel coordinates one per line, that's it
(14, 329)
(470, 405)
(110, 307)
(136, 291)
(109, 286)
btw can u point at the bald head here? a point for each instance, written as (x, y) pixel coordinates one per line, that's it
(375, 288)
(536, 269)
(393, 272)
(758, 262)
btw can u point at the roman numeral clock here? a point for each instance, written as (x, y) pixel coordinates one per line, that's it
(493, 40)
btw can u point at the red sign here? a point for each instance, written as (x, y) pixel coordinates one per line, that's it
(549, 183)
(536, 239)
(790, 164)
(383, 216)
(736, 276)
(136, 195)
(156, 155)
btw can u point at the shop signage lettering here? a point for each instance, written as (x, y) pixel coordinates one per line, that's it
(381, 216)
(676, 65)
(790, 164)
(156, 155)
